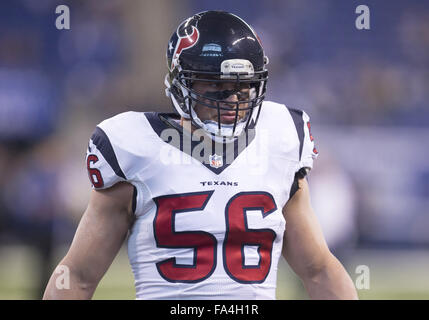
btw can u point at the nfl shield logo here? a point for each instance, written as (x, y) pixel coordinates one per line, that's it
(215, 161)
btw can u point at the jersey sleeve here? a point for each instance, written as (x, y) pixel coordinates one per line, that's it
(102, 163)
(307, 150)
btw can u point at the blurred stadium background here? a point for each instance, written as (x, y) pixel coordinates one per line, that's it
(365, 90)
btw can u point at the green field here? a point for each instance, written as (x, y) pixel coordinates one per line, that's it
(393, 275)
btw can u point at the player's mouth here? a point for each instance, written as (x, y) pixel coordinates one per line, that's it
(227, 117)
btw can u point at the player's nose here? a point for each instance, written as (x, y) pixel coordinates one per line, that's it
(232, 94)
(232, 97)
(230, 102)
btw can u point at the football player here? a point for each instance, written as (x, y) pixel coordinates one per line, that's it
(207, 225)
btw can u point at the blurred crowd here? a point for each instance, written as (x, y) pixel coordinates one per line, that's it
(56, 85)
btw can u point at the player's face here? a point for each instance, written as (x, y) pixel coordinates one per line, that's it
(227, 112)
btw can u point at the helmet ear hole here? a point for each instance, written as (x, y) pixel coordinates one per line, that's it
(266, 60)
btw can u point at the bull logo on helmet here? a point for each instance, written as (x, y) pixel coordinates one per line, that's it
(184, 42)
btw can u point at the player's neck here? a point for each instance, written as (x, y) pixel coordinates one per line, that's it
(187, 125)
(190, 128)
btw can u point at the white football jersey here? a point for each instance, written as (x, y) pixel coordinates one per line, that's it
(209, 222)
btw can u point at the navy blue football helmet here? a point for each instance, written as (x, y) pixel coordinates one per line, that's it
(217, 46)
